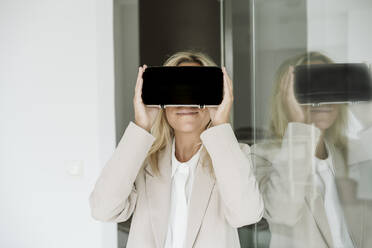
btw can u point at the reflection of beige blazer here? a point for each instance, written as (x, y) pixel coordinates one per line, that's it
(218, 206)
(294, 206)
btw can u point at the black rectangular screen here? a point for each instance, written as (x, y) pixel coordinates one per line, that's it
(318, 83)
(182, 85)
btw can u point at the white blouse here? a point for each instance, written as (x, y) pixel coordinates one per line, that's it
(182, 181)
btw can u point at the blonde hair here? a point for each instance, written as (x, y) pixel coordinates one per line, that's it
(279, 121)
(161, 129)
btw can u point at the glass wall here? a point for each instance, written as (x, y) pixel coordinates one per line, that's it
(303, 90)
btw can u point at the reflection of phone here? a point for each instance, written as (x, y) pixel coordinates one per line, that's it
(182, 86)
(332, 83)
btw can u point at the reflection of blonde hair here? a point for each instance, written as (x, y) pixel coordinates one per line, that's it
(161, 129)
(279, 121)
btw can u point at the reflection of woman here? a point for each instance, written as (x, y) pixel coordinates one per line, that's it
(302, 174)
(187, 182)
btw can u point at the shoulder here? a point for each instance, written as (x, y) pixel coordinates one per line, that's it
(263, 149)
(266, 148)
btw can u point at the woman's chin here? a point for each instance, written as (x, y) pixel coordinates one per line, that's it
(187, 129)
(322, 125)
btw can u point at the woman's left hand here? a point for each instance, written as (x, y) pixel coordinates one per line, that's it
(221, 114)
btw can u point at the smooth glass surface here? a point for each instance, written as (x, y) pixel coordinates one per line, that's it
(313, 162)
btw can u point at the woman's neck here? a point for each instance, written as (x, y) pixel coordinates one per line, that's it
(321, 149)
(187, 144)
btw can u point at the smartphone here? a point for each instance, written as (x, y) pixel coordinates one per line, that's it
(199, 86)
(332, 83)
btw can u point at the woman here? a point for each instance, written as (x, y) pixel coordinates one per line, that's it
(302, 173)
(181, 173)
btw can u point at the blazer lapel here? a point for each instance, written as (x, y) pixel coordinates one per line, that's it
(158, 191)
(352, 208)
(346, 189)
(337, 161)
(316, 204)
(200, 195)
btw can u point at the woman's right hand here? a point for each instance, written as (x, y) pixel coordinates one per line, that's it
(292, 108)
(144, 116)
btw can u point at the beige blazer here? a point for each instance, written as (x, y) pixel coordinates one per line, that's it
(218, 205)
(294, 206)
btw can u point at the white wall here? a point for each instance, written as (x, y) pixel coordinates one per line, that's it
(56, 119)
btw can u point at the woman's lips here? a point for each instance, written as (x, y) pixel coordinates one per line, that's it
(321, 110)
(187, 113)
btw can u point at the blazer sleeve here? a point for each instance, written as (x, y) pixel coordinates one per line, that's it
(114, 195)
(241, 200)
(286, 179)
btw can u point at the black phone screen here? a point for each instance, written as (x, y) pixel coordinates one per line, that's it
(182, 85)
(317, 83)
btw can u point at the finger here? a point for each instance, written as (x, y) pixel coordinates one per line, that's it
(228, 81)
(138, 95)
(138, 89)
(230, 90)
(140, 85)
(139, 77)
(228, 78)
(226, 84)
(226, 91)
(229, 85)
